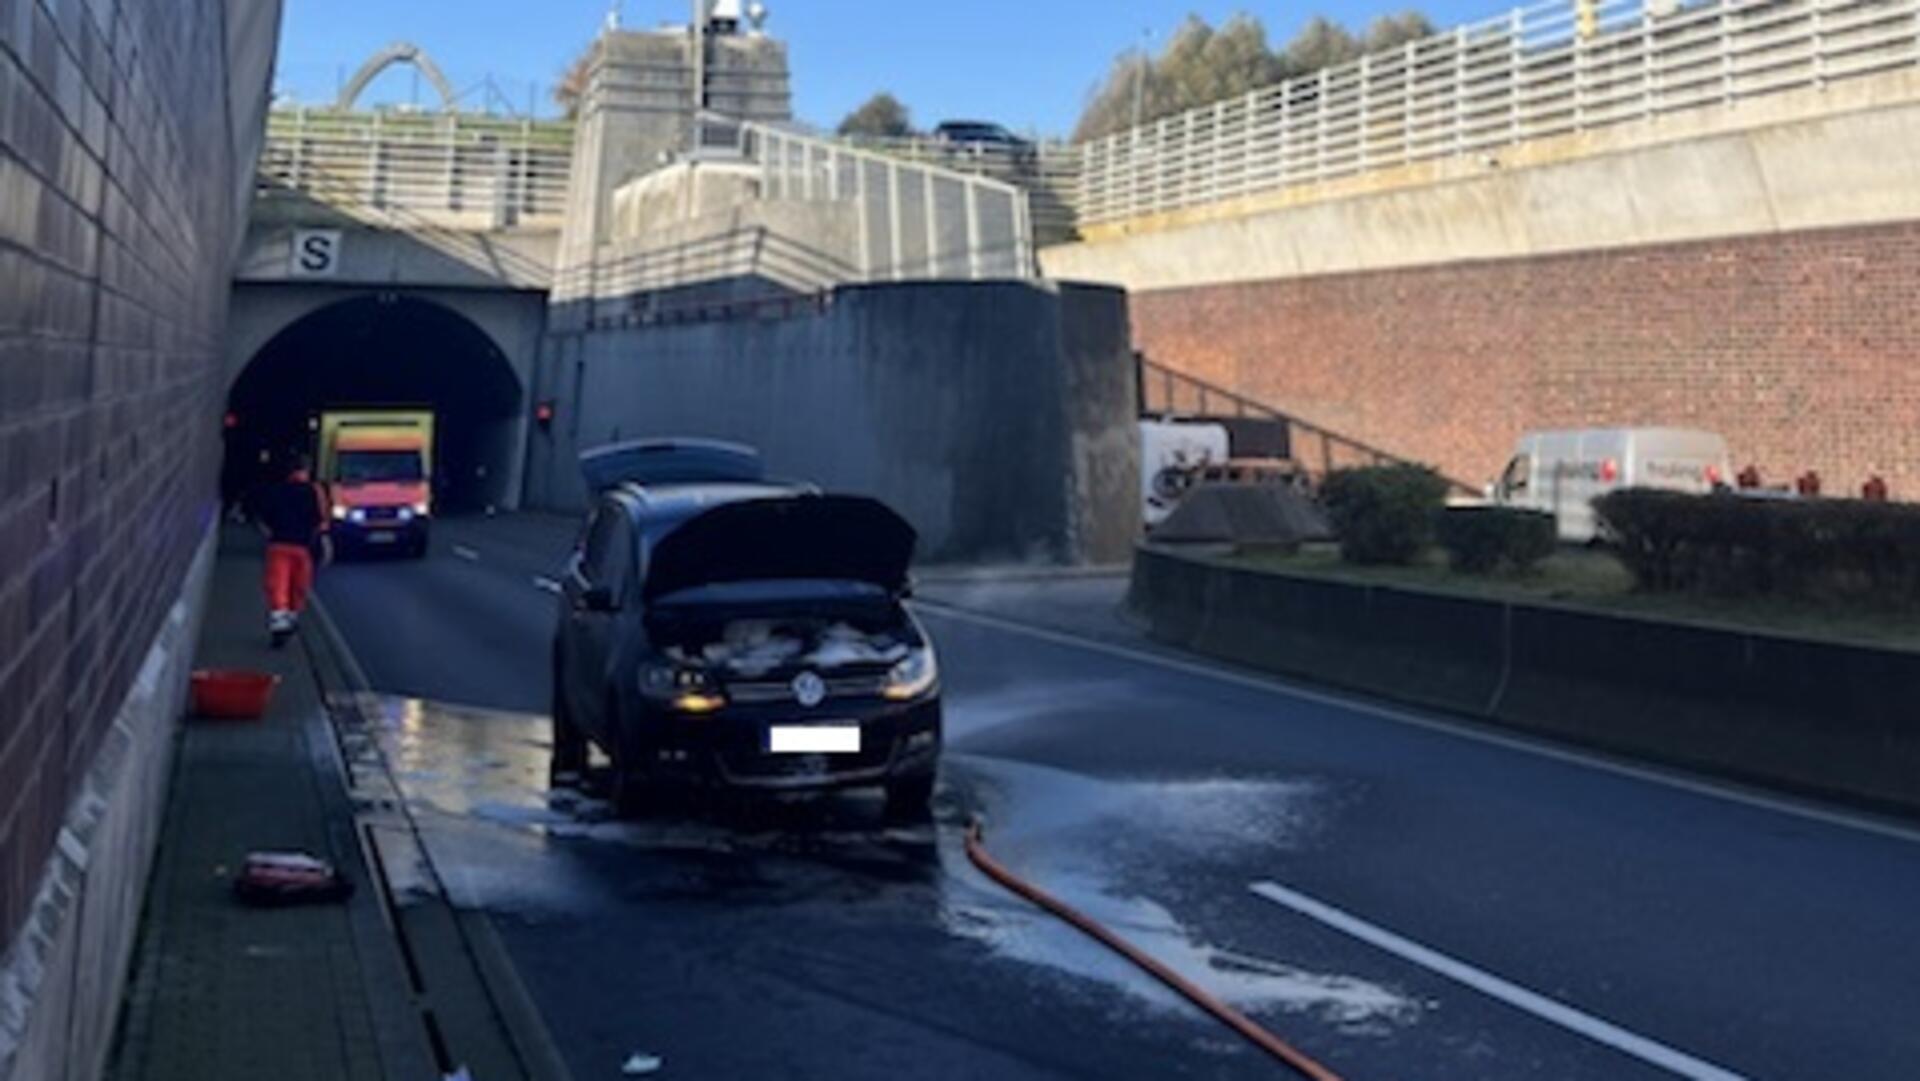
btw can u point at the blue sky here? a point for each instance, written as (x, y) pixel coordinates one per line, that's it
(1027, 63)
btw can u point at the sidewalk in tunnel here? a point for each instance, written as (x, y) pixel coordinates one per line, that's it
(222, 991)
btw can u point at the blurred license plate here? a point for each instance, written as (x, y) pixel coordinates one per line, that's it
(381, 536)
(814, 739)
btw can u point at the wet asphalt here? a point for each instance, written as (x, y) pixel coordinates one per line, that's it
(1690, 932)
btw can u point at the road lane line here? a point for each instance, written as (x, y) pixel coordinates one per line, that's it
(466, 553)
(1546, 1009)
(546, 585)
(1279, 686)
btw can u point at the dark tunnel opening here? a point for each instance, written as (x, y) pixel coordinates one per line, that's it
(380, 352)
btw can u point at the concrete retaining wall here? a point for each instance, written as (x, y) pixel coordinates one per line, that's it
(1827, 719)
(999, 417)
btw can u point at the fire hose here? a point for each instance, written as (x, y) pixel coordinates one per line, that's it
(1227, 1015)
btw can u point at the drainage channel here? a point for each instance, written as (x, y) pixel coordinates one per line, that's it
(471, 1009)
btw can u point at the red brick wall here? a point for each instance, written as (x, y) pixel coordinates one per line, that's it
(1803, 349)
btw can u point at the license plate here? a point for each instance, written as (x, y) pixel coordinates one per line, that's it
(381, 536)
(814, 739)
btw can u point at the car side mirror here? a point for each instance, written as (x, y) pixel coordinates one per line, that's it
(599, 599)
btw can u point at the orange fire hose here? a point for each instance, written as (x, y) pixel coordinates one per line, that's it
(1232, 1018)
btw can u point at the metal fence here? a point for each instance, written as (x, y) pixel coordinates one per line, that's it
(1550, 69)
(1048, 170)
(478, 171)
(915, 220)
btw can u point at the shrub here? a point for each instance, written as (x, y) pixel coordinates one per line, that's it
(1481, 539)
(1745, 546)
(1383, 514)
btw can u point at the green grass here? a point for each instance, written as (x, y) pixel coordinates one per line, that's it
(1595, 580)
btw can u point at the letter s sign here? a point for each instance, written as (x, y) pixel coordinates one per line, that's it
(316, 253)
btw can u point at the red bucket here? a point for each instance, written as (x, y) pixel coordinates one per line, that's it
(232, 695)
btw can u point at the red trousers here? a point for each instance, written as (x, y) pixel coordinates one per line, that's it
(289, 577)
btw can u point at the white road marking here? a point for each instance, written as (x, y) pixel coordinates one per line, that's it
(1278, 686)
(546, 585)
(1547, 1009)
(466, 553)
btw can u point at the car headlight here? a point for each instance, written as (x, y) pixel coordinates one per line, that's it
(913, 676)
(406, 514)
(339, 513)
(357, 515)
(422, 509)
(688, 690)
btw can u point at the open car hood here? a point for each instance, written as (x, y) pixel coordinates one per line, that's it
(838, 537)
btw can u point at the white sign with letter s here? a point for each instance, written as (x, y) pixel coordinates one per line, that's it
(316, 253)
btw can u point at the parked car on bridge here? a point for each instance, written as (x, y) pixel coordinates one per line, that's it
(981, 135)
(720, 629)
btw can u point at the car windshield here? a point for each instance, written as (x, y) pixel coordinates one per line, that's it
(379, 466)
(1003, 539)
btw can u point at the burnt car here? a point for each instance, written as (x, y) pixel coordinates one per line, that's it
(721, 630)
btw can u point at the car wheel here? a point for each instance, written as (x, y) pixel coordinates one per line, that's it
(910, 799)
(631, 795)
(568, 765)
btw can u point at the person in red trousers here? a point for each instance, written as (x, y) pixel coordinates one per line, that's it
(293, 514)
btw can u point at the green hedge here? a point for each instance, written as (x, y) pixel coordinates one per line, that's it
(1383, 514)
(1480, 540)
(1744, 546)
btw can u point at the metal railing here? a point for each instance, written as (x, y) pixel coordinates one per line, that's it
(1550, 69)
(915, 220)
(1167, 392)
(477, 171)
(1048, 170)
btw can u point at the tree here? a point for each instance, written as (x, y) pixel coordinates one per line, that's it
(1202, 64)
(1392, 31)
(1321, 43)
(571, 91)
(882, 116)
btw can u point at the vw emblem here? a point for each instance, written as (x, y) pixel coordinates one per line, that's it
(809, 689)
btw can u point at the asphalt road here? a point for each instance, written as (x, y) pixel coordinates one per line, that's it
(1395, 897)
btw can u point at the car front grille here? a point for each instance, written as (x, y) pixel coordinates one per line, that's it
(776, 692)
(776, 767)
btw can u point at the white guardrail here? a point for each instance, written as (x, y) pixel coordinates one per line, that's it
(915, 220)
(1539, 71)
(453, 168)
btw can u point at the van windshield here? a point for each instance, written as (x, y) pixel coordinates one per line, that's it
(379, 466)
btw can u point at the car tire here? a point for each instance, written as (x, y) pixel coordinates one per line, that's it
(630, 794)
(910, 799)
(568, 763)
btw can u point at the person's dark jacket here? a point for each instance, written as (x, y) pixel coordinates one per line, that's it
(291, 512)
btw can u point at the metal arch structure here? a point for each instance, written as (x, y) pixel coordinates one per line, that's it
(400, 52)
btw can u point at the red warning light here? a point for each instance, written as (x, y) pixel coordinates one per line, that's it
(543, 413)
(231, 421)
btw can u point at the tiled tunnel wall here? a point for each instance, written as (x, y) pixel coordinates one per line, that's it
(123, 166)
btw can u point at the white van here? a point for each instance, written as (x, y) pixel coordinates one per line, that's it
(1172, 454)
(1563, 472)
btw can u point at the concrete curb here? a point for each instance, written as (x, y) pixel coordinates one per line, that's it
(469, 998)
(1823, 719)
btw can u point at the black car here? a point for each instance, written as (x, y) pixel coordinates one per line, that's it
(981, 136)
(719, 629)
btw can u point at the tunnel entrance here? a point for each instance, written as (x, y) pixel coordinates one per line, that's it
(380, 352)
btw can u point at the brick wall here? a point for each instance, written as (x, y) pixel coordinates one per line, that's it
(118, 219)
(1802, 348)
